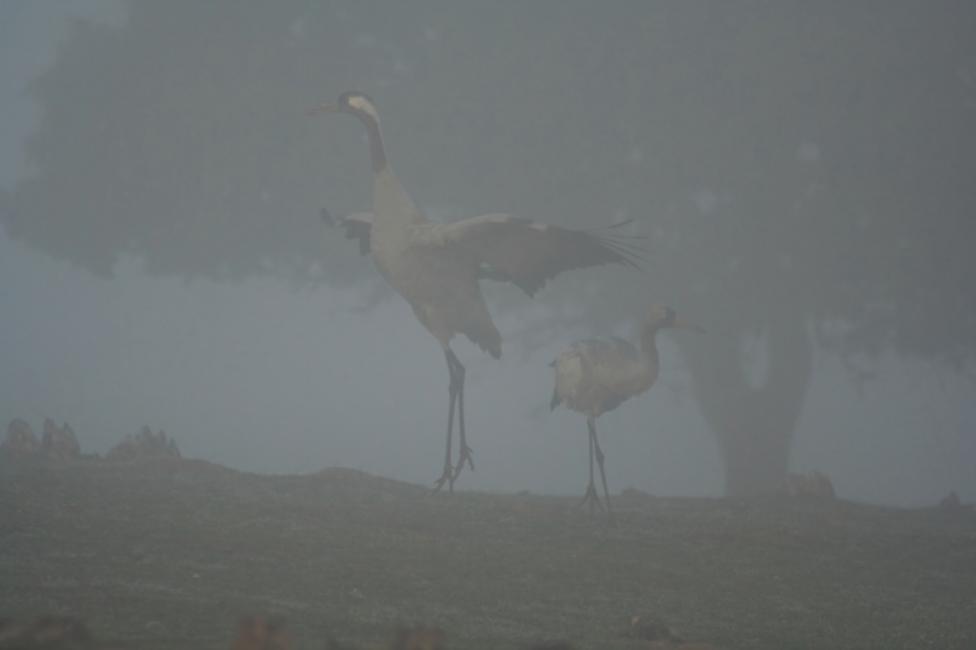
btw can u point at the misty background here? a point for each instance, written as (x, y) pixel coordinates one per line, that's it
(162, 262)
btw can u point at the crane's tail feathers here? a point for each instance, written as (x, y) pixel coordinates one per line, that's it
(486, 337)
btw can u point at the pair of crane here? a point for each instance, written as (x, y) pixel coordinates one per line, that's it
(437, 269)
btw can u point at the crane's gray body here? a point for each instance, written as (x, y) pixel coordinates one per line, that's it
(594, 376)
(440, 282)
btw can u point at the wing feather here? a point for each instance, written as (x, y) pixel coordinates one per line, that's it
(511, 249)
(528, 253)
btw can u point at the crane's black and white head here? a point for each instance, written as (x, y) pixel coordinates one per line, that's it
(354, 103)
(662, 316)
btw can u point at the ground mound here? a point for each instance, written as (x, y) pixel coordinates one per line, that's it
(168, 552)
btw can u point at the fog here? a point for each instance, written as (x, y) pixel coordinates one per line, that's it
(260, 372)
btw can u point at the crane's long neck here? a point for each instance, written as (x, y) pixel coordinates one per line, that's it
(648, 341)
(377, 152)
(394, 211)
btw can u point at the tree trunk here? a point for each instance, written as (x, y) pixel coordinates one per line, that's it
(756, 455)
(754, 425)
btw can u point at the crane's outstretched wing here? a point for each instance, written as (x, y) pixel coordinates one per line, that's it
(510, 249)
(527, 253)
(357, 226)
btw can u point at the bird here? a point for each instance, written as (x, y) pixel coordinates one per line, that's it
(594, 376)
(437, 267)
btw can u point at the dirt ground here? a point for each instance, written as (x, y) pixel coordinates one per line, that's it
(170, 554)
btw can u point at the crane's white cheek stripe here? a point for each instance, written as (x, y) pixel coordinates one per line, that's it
(361, 104)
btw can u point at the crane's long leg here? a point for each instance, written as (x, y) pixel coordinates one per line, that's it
(591, 425)
(465, 452)
(591, 498)
(447, 476)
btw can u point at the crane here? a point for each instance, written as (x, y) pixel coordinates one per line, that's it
(594, 376)
(436, 267)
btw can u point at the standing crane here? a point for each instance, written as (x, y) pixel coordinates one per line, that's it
(594, 376)
(436, 267)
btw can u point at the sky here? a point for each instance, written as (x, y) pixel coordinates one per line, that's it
(261, 376)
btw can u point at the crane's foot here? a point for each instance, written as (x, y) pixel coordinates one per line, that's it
(447, 477)
(591, 499)
(464, 456)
